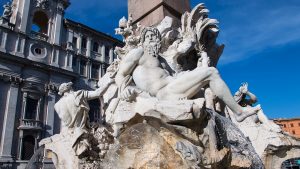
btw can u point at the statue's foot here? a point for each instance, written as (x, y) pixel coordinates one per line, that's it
(246, 112)
(216, 156)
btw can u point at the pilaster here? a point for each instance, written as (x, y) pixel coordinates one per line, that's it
(3, 42)
(58, 24)
(111, 55)
(88, 47)
(103, 53)
(52, 90)
(55, 58)
(9, 120)
(25, 15)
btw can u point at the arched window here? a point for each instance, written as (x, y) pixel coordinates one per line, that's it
(40, 22)
(28, 147)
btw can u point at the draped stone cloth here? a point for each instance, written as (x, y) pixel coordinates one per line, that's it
(73, 109)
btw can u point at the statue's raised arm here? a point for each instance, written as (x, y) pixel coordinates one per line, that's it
(128, 64)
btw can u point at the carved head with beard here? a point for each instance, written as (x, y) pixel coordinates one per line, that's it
(150, 40)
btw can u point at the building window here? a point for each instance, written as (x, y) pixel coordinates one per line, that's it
(28, 147)
(74, 62)
(40, 22)
(284, 125)
(293, 131)
(74, 42)
(292, 125)
(31, 108)
(38, 51)
(84, 42)
(96, 47)
(299, 124)
(95, 71)
(82, 70)
(106, 51)
(104, 67)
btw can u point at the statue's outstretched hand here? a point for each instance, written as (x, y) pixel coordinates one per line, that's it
(129, 93)
(244, 88)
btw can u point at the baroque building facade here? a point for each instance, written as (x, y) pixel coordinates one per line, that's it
(290, 125)
(39, 50)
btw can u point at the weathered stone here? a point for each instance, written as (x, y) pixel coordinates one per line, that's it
(152, 12)
(142, 146)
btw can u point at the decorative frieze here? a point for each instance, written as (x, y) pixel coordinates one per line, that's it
(10, 78)
(52, 88)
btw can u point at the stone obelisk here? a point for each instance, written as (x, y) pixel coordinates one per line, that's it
(151, 12)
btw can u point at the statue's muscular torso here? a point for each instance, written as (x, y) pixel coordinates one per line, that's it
(149, 74)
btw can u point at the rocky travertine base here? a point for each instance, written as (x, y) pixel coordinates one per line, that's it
(143, 146)
(243, 153)
(150, 143)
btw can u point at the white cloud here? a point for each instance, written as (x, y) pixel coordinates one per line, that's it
(252, 28)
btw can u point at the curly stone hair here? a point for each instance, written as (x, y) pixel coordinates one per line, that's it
(151, 29)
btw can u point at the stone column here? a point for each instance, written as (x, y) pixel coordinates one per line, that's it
(24, 105)
(9, 121)
(20, 46)
(17, 47)
(25, 15)
(58, 26)
(100, 71)
(89, 69)
(37, 116)
(70, 40)
(21, 137)
(111, 55)
(55, 57)
(79, 47)
(89, 47)
(66, 60)
(3, 41)
(70, 66)
(103, 53)
(50, 113)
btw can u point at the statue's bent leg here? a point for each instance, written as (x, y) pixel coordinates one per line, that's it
(221, 90)
(186, 85)
(190, 83)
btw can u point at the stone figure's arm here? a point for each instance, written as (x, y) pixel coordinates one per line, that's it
(238, 96)
(100, 91)
(241, 93)
(253, 98)
(128, 64)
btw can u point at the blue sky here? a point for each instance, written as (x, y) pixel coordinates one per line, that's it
(262, 39)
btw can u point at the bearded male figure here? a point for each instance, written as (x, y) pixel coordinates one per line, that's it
(143, 64)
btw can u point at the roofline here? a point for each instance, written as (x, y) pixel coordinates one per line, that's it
(286, 119)
(74, 23)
